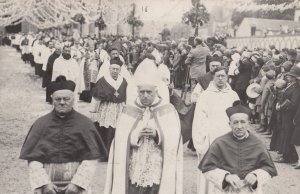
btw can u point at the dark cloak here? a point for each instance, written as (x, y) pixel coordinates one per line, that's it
(296, 135)
(48, 74)
(55, 140)
(106, 93)
(186, 117)
(205, 80)
(238, 157)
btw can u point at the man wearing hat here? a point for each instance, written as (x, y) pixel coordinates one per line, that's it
(287, 108)
(62, 146)
(267, 100)
(237, 162)
(146, 154)
(197, 60)
(292, 55)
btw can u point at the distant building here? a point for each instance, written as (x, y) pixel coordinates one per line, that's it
(297, 15)
(264, 27)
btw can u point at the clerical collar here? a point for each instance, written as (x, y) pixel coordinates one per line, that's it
(156, 102)
(114, 83)
(242, 138)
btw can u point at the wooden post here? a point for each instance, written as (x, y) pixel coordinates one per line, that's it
(133, 14)
(197, 15)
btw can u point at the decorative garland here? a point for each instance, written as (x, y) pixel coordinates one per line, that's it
(53, 13)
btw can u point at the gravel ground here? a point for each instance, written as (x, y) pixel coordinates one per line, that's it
(22, 102)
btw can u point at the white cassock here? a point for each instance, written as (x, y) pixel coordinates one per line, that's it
(12, 40)
(68, 68)
(25, 49)
(37, 50)
(93, 67)
(165, 73)
(18, 39)
(76, 53)
(45, 56)
(157, 56)
(103, 55)
(31, 39)
(196, 93)
(210, 121)
(21, 47)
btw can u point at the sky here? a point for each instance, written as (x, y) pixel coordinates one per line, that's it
(169, 10)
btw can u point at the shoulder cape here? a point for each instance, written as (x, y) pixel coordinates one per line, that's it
(55, 140)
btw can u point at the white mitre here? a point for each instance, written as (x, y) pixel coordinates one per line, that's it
(147, 74)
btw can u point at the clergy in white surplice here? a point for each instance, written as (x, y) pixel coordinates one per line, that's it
(210, 120)
(47, 52)
(77, 51)
(24, 46)
(103, 55)
(37, 49)
(88, 68)
(66, 66)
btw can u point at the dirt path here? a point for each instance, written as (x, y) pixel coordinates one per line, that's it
(22, 102)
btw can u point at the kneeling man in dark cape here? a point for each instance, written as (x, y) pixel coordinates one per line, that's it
(237, 162)
(62, 147)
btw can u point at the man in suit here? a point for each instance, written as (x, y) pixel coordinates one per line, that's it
(197, 61)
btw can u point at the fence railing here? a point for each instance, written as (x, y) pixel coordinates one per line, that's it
(280, 41)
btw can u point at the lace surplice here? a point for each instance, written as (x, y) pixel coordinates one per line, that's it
(108, 114)
(145, 165)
